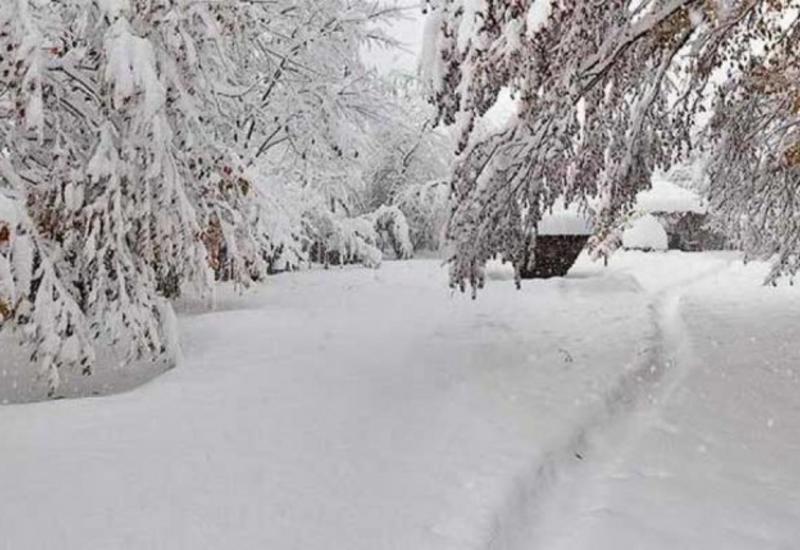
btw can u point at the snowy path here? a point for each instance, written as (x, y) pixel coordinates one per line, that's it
(647, 381)
(709, 458)
(373, 409)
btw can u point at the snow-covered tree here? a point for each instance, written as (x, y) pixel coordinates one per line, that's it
(605, 91)
(332, 114)
(147, 144)
(33, 293)
(89, 157)
(753, 143)
(363, 239)
(426, 206)
(409, 163)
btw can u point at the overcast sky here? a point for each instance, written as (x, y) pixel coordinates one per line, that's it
(408, 31)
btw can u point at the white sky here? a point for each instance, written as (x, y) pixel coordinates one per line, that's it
(409, 31)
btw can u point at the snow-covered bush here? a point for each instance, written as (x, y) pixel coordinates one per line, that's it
(645, 233)
(362, 239)
(392, 229)
(341, 240)
(427, 208)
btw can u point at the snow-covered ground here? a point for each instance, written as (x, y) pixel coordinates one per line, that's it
(652, 404)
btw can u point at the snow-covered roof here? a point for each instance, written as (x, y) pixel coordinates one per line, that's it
(665, 196)
(565, 221)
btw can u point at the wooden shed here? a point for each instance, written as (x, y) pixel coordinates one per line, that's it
(561, 235)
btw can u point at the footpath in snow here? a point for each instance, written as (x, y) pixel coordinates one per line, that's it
(712, 460)
(358, 409)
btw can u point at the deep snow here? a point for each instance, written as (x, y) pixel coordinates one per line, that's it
(648, 405)
(645, 233)
(712, 461)
(667, 197)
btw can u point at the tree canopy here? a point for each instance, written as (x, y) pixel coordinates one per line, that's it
(606, 93)
(149, 146)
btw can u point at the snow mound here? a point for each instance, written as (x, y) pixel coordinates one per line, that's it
(565, 221)
(665, 196)
(645, 233)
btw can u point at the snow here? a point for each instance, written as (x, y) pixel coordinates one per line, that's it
(8, 222)
(431, 66)
(538, 15)
(648, 405)
(469, 24)
(347, 408)
(666, 197)
(645, 233)
(132, 66)
(114, 8)
(710, 460)
(565, 221)
(8, 211)
(22, 262)
(407, 30)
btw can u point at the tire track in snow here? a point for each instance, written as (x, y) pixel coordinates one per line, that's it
(542, 503)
